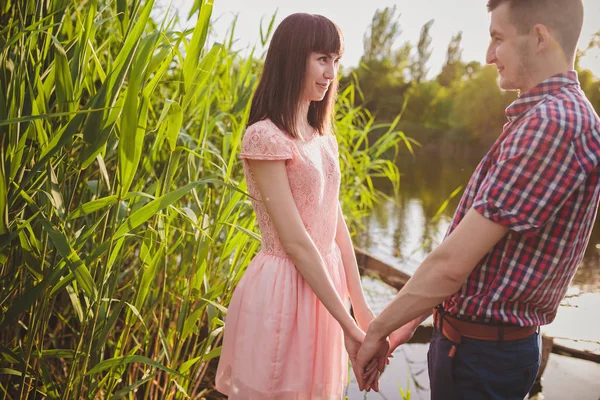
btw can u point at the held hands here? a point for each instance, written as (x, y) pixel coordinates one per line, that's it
(367, 375)
(371, 361)
(375, 352)
(353, 342)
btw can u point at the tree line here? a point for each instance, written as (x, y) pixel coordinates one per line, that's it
(461, 107)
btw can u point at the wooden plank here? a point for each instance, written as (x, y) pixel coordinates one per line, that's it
(371, 265)
(581, 354)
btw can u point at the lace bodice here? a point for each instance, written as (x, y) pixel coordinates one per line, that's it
(314, 178)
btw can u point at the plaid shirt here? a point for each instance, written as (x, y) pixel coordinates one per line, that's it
(541, 180)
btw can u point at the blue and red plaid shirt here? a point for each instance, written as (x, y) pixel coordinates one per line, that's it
(541, 180)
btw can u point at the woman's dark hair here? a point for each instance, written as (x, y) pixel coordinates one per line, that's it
(280, 88)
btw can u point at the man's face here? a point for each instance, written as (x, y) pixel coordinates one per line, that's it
(510, 51)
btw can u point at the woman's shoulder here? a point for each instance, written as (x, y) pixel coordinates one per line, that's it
(264, 140)
(265, 127)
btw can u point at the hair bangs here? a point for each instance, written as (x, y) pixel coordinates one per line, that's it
(326, 37)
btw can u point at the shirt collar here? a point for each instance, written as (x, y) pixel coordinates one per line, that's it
(550, 86)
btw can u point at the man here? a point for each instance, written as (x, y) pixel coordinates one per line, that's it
(521, 227)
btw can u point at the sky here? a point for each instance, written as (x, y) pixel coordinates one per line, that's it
(354, 17)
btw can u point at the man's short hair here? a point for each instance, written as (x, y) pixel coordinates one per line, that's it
(564, 18)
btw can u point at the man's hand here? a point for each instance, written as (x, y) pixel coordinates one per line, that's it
(371, 356)
(364, 315)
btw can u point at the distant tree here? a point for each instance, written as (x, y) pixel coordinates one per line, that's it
(420, 100)
(419, 65)
(401, 59)
(440, 109)
(479, 106)
(589, 83)
(593, 43)
(590, 86)
(453, 68)
(471, 69)
(381, 74)
(383, 31)
(383, 88)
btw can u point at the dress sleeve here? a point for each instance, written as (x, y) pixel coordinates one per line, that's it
(265, 142)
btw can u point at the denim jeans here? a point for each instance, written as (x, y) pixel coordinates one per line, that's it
(482, 369)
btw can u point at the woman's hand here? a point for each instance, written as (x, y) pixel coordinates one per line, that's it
(353, 341)
(402, 335)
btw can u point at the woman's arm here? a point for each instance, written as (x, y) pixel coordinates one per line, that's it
(361, 309)
(272, 182)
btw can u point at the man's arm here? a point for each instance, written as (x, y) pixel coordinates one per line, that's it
(441, 274)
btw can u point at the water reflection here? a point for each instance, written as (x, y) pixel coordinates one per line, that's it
(404, 230)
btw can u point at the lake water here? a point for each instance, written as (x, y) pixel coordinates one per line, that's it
(405, 229)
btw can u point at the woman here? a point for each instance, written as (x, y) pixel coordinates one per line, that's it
(288, 319)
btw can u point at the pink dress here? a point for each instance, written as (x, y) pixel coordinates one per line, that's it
(280, 342)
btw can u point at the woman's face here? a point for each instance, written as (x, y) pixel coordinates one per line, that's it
(321, 70)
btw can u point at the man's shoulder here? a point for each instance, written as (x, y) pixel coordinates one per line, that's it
(569, 107)
(568, 111)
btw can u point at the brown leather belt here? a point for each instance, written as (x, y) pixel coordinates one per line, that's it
(454, 329)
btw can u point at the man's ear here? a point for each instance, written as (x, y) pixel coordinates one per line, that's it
(543, 37)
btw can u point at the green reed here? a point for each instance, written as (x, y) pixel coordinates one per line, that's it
(125, 223)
